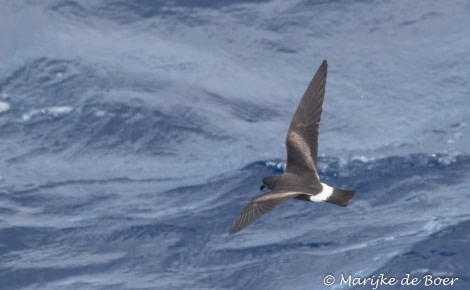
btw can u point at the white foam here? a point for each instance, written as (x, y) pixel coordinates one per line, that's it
(4, 106)
(54, 111)
(278, 165)
(323, 195)
(57, 111)
(100, 113)
(361, 158)
(27, 116)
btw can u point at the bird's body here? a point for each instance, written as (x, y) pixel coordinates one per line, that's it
(300, 179)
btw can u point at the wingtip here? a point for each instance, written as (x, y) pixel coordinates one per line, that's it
(235, 227)
(233, 231)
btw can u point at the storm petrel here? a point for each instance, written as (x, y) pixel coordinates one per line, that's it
(300, 179)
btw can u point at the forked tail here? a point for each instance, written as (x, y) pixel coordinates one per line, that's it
(340, 197)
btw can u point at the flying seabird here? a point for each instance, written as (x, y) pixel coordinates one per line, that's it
(300, 179)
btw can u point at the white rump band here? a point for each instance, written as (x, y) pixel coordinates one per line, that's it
(324, 194)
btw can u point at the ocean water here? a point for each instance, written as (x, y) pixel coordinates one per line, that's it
(133, 132)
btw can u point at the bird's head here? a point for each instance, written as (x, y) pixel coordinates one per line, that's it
(268, 181)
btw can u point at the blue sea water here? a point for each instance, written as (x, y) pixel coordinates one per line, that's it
(133, 132)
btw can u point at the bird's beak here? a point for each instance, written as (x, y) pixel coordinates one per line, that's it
(262, 187)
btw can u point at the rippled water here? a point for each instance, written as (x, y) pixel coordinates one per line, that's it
(133, 132)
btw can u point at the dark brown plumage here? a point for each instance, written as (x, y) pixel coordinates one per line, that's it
(300, 179)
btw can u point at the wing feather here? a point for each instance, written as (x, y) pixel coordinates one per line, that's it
(258, 207)
(302, 137)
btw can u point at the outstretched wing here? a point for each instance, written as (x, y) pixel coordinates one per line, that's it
(302, 137)
(259, 206)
